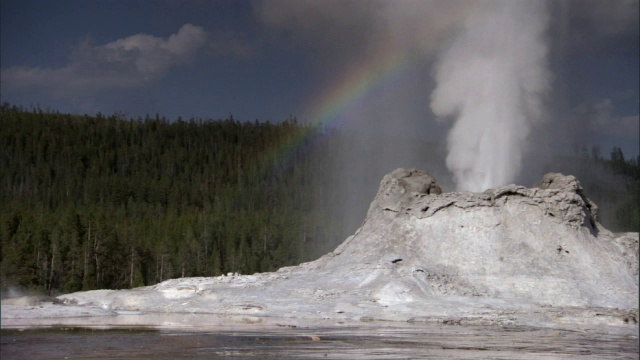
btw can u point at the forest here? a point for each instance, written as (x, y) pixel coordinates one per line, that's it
(106, 202)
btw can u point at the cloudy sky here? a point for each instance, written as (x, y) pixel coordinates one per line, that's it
(340, 62)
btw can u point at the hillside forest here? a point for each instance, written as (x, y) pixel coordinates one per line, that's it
(106, 202)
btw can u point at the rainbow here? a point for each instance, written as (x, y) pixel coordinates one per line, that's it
(329, 108)
(354, 86)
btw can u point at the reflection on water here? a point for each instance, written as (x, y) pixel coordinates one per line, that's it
(371, 342)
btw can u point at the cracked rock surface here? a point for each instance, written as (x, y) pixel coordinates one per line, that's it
(509, 255)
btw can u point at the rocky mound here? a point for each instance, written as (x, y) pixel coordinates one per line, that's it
(510, 254)
(542, 244)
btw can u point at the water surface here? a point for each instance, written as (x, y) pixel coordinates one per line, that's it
(367, 342)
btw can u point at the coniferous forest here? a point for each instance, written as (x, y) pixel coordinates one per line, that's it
(93, 202)
(102, 202)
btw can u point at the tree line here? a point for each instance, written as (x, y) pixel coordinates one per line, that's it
(91, 202)
(612, 182)
(99, 201)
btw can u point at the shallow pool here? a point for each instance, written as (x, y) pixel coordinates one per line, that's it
(370, 342)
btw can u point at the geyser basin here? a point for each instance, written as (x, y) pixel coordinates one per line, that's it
(510, 255)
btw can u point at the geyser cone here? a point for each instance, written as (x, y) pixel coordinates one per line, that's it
(507, 255)
(542, 244)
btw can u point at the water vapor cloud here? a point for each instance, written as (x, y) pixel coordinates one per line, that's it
(491, 82)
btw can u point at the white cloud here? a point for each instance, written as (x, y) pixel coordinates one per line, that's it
(127, 62)
(600, 118)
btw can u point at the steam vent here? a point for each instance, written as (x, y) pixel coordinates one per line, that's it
(509, 255)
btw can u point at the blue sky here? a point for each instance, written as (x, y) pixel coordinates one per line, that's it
(229, 71)
(272, 59)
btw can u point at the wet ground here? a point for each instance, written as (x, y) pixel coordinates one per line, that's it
(286, 342)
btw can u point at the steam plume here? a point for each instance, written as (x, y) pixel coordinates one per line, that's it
(491, 80)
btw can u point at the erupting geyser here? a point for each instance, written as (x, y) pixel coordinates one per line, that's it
(491, 81)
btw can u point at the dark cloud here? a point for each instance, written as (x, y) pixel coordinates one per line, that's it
(607, 18)
(230, 43)
(344, 31)
(595, 55)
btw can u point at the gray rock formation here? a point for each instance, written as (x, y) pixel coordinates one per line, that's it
(571, 185)
(508, 255)
(542, 244)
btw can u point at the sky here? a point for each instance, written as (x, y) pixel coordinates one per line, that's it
(370, 65)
